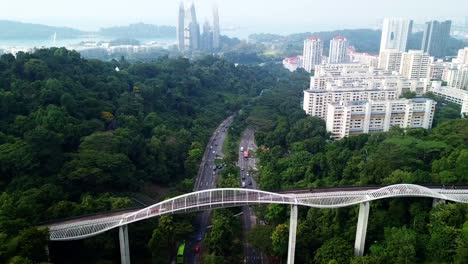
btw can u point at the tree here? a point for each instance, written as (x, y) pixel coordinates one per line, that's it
(163, 242)
(260, 237)
(335, 249)
(32, 243)
(399, 246)
(279, 239)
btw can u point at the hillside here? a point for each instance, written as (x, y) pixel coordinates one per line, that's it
(139, 30)
(19, 30)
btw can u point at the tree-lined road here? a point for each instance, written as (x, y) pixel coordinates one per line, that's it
(247, 168)
(206, 179)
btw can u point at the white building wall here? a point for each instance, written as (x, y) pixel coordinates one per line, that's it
(395, 32)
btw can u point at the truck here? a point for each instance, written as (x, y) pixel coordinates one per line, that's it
(246, 154)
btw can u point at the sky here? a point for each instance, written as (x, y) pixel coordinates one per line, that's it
(270, 16)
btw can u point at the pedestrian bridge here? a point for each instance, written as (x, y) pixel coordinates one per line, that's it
(232, 197)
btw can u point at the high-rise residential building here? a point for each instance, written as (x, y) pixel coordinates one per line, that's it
(395, 33)
(436, 70)
(436, 35)
(415, 64)
(390, 60)
(338, 50)
(216, 28)
(189, 37)
(316, 100)
(207, 37)
(462, 57)
(188, 29)
(194, 29)
(456, 76)
(347, 118)
(181, 27)
(313, 50)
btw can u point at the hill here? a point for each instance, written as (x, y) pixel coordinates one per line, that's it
(19, 30)
(139, 30)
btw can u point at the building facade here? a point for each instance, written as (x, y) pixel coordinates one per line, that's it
(453, 95)
(216, 29)
(313, 51)
(462, 57)
(457, 76)
(415, 64)
(338, 50)
(189, 37)
(435, 37)
(390, 60)
(395, 32)
(347, 118)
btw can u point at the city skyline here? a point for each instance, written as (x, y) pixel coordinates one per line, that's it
(234, 13)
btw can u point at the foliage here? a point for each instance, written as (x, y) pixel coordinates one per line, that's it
(336, 249)
(76, 136)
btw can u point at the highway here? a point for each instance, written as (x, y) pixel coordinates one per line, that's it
(206, 179)
(247, 169)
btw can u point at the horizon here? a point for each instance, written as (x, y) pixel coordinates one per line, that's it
(253, 19)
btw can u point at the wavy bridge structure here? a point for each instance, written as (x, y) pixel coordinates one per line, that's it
(232, 197)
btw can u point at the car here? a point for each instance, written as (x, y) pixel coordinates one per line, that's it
(197, 249)
(247, 174)
(243, 177)
(214, 152)
(242, 169)
(243, 184)
(216, 144)
(199, 236)
(250, 182)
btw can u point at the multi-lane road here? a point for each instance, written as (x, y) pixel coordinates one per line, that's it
(206, 179)
(247, 170)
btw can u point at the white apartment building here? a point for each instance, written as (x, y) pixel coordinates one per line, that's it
(357, 76)
(316, 101)
(415, 64)
(436, 70)
(395, 32)
(313, 51)
(462, 57)
(363, 58)
(456, 76)
(338, 50)
(452, 94)
(390, 60)
(358, 117)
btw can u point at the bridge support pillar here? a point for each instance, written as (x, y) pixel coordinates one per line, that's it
(124, 245)
(361, 228)
(292, 234)
(436, 202)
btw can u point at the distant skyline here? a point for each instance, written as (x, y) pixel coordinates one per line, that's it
(249, 16)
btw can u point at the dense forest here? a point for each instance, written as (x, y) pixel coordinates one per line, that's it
(295, 151)
(77, 136)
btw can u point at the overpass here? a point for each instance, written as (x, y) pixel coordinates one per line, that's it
(233, 197)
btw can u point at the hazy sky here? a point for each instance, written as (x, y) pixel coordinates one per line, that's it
(282, 16)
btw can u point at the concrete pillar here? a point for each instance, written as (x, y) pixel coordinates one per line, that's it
(436, 202)
(361, 228)
(124, 246)
(292, 234)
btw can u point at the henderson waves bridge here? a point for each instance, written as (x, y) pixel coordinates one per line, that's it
(232, 197)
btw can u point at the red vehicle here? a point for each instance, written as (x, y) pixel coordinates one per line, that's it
(197, 248)
(246, 154)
